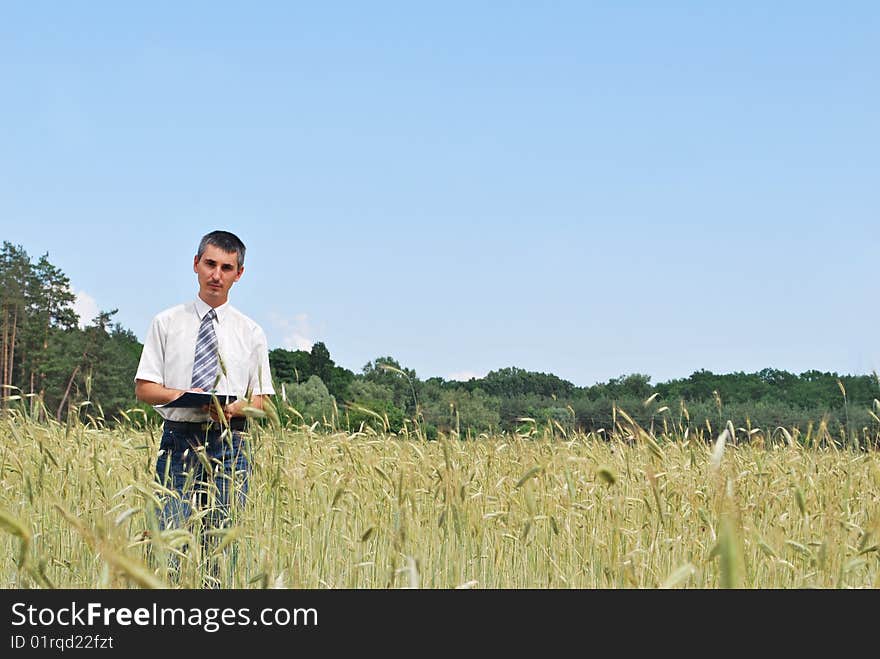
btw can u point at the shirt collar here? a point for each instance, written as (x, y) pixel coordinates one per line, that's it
(203, 307)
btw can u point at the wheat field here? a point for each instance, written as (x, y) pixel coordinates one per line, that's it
(538, 509)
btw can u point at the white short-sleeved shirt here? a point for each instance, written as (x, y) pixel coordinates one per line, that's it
(169, 351)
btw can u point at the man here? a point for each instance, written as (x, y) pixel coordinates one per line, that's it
(205, 345)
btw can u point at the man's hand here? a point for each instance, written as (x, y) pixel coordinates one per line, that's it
(232, 409)
(236, 408)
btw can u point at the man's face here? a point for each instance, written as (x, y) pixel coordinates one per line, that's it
(217, 271)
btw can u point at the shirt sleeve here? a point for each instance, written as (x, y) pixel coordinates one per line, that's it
(152, 364)
(260, 378)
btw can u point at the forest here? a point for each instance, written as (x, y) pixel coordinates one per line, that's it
(58, 368)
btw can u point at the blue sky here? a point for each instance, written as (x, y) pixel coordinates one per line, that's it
(582, 188)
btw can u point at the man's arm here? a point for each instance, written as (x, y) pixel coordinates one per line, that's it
(151, 368)
(154, 393)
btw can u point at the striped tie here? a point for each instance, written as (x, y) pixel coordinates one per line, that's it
(205, 364)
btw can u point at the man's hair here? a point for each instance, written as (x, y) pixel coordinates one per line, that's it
(226, 241)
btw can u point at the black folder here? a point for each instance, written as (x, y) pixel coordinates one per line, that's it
(198, 399)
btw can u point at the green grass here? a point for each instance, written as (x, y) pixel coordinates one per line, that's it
(541, 509)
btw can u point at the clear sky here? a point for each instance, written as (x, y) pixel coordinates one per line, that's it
(588, 189)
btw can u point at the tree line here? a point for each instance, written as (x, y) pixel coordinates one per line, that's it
(46, 359)
(59, 368)
(511, 399)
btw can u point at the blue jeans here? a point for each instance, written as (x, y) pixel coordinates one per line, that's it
(206, 470)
